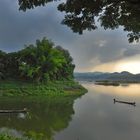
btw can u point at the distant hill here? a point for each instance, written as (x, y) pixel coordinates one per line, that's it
(116, 76)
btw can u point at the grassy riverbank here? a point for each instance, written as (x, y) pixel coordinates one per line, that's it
(56, 88)
(53, 100)
(51, 114)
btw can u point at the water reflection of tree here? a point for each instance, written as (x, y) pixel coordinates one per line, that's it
(45, 117)
(81, 15)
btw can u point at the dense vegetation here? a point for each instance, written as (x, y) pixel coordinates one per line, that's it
(40, 62)
(43, 70)
(51, 89)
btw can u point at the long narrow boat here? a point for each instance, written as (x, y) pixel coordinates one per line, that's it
(14, 111)
(130, 103)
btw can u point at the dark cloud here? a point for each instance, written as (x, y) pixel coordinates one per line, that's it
(88, 50)
(132, 51)
(18, 28)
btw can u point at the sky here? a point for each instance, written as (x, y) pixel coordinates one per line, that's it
(99, 50)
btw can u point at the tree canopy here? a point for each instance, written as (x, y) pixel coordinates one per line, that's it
(81, 15)
(40, 62)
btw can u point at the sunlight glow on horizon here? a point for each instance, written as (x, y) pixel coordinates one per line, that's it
(133, 67)
(130, 64)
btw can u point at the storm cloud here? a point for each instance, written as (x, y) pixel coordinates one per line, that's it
(88, 50)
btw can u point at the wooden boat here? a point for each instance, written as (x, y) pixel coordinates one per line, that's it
(130, 103)
(14, 111)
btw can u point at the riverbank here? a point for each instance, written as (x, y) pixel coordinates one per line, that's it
(52, 101)
(56, 88)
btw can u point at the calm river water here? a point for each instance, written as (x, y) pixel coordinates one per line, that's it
(98, 118)
(96, 32)
(94, 116)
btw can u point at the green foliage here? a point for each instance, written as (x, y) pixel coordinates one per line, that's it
(2, 57)
(46, 115)
(39, 62)
(7, 137)
(53, 89)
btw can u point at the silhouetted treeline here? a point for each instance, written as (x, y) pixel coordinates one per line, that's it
(40, 62)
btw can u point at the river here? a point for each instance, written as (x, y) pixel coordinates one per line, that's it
(94, 116)
(97, 117)
(101, 35)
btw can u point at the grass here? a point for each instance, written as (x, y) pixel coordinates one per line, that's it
(56, 88)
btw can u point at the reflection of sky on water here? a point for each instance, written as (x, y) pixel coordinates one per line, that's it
(11, 132)
(22, 116)
(98, 118)
(124, 90)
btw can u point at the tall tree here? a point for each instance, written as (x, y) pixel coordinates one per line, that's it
(40, 62)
